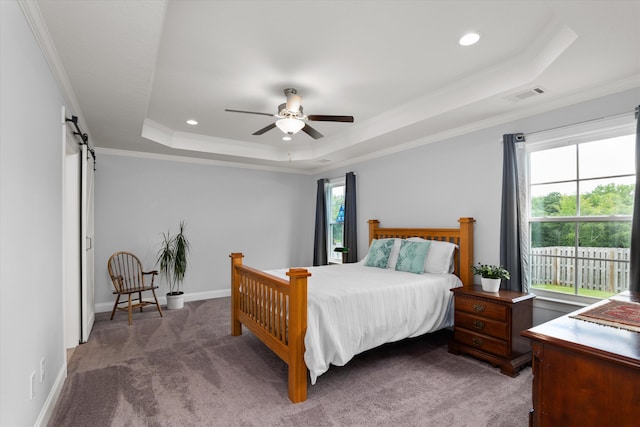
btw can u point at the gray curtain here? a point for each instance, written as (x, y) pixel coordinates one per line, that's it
(320, 239)
(634, 284)
(510, 231)
(350, 218)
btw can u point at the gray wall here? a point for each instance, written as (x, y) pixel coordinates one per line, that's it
(432, 185)
(435, 184)
(31, 152)
(266, 215)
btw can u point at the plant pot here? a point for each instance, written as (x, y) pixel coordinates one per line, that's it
(490, 285)
(175, 300)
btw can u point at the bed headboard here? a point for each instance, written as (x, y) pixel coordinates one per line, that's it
(462, 236)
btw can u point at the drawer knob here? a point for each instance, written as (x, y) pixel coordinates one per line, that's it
(478, 324)
(478, 307)
(477, 341)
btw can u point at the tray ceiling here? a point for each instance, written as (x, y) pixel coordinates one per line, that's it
(135, 71)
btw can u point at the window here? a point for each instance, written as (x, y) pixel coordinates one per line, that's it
(580, 191)
(335, 218)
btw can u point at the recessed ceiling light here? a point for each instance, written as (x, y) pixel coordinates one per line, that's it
(192, 122)
(469, 39)
(286, 138)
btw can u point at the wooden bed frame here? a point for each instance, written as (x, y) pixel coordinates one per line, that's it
(275, 310)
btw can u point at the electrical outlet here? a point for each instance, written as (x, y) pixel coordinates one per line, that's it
(32, 385)
(42, 370)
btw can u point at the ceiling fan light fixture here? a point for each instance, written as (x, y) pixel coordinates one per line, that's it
(290, 126)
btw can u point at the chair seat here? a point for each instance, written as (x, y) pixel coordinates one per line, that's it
(134, 290)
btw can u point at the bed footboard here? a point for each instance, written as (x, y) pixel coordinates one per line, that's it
(276, 312)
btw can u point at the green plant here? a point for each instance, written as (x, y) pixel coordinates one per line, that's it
(490, 271)
(172, 259)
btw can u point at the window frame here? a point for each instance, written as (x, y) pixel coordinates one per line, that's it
(594, 130)
(332, 256)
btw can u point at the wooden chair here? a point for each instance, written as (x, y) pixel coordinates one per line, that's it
(127, 276)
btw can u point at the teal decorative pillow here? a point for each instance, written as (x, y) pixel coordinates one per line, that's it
(412, 255)
(379, 252)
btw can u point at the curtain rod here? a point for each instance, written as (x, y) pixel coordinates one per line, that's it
(84, 137)
(586, 121)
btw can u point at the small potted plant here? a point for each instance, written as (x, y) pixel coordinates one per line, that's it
(172, 260)
(490, 276)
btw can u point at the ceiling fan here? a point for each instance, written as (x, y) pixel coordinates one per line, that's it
(291, 118)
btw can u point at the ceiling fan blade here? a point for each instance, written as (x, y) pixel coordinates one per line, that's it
(264, 129)
(249, 112)
(312, 132)
(324, 118)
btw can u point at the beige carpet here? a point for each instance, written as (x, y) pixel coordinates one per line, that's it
(187, 370)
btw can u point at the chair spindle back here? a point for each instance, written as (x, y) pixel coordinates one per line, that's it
(125, 270)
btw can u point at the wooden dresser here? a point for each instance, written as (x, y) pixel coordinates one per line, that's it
(585, 374)
(488, 326)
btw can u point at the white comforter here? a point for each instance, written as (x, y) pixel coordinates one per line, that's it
(353, 308)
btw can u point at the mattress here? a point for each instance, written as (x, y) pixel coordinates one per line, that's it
(353, 308)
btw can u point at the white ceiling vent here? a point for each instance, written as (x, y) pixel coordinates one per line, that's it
(526, 94)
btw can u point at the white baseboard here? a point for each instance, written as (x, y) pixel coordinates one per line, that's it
(102, 307)
(52, 398)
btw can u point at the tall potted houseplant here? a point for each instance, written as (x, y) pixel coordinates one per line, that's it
(172, 260)
(490, 276)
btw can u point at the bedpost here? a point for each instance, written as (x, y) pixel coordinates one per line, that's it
(466, 255)
(236, 326)
(297, 331)
(373, 227)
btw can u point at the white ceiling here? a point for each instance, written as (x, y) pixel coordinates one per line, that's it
(137, 70)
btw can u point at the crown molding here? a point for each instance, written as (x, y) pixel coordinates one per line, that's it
(197, 160)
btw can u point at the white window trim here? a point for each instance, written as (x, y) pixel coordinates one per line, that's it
(569, 299)
(574, 134)
(327, 191)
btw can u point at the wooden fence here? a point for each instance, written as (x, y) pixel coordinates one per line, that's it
(603, 269)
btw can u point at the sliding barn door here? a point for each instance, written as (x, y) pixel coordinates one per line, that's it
(87, 300)
(71, 227)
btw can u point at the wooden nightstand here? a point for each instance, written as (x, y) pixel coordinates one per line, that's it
(488, 326)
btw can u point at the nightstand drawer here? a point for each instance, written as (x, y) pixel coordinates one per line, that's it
(482, 342)
(482, 325)
(482, 308)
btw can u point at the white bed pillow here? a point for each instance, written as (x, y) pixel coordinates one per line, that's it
(395, 251)
(440, 256)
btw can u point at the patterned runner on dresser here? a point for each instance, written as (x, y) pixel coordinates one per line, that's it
(619, 314)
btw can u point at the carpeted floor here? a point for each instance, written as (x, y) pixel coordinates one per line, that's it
(187, 370)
